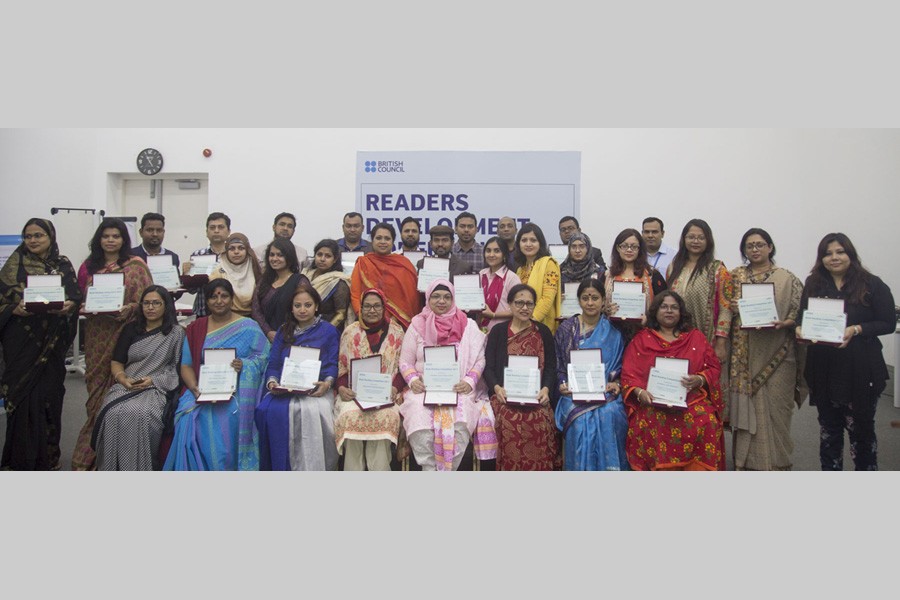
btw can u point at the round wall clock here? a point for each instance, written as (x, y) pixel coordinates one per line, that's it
(149, 161)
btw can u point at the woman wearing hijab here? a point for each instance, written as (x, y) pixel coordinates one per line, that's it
(579, 264)
(34, 347)
(365, 437)
(439, 435)
(239, 265)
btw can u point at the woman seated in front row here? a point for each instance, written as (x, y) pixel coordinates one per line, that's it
(145, 364)
(672, 438)
(439, 435)
(219, 436)
(296, 429)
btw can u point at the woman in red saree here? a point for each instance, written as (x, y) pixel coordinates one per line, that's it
(393, 274)
(671, 438)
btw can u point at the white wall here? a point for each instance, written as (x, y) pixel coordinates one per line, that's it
(797, 184)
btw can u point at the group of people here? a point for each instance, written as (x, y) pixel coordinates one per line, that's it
(143, 368)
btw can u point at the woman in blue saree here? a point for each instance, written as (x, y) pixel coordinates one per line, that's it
(219, 436)
(593, 433)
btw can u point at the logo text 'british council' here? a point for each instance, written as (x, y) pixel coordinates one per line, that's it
(384, 166)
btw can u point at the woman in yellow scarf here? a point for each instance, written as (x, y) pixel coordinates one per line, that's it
(540, 271)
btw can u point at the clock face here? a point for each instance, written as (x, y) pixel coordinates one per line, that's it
(149, 161)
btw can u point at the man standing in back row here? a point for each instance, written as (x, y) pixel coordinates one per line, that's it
(285, 226)
(353, 241)
(659, 255)
(466, 248)
(153, 232)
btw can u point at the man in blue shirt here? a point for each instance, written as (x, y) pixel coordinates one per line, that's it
(353, 229)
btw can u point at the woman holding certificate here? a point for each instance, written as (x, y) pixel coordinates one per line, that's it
(523, 391)
(110, 253)
(593, 432)
(765, 360)
(326, 275)
(219, 436)
(579, 264)
(629, 273)
(145, 364)
(295, 418)
(496, 281)
(364, 437)
(444, 410)
(239, 265)
(678, 425)
(272, 298)
(34, 348)
(845, 379)
(539, 270)
(391, 273)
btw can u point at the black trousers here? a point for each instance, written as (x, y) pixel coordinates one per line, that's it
(858, 418)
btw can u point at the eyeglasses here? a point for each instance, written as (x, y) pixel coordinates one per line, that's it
(695, 238)
(372, 307)
(626, 247)
(756, 245)
(523, 304)
(34, 236)
(568, 228)
(669, 307)
(151, 303)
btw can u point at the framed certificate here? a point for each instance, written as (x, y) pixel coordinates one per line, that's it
(559, 252)
(757, 305)
(218, 379)
(469, 295)
(432, 268)
(522, 380)
(587, 375)
(824, 321)
(367, 380)
(414, 257)
(200, 268)
(665, 382)
(570, 306)
(348, 261)
(106, 293)
(441, 374)
(43, 293)
(300, 371)
(632, 300)
(161, 261)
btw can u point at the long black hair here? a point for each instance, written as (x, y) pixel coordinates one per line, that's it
(269, 274)
(617, 265)
(681, 256)
(97, 259)
(170, 318)
(504, 249)
(542, 251)
(290, 321)
(856, 280)
(49, 229)
(335, 251)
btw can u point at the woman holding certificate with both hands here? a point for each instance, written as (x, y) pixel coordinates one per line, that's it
(218, 436)
(296, 428)
(672, 438)
(34, 348)
(765, 361)
(365, 436)
(527, 438)
(439, 434)
(845, 381)
(593, 433)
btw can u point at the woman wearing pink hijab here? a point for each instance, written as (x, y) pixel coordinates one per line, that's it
(439, 435)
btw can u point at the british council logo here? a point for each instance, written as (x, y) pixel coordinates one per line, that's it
(371, 166)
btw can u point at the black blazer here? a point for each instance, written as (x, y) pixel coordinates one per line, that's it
(496, 357)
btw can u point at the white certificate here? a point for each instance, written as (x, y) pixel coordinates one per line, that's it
(630, 297)
(757, 305)
(104, 299)
(560, 252)
(373, 390)
(218, 379)
(414, 257)
(522, 380)
(823, 327)
(44, 290)
(570, 306)
(348, 261)
(301, 369)
(441, 373)
(433, 268)
(469, 295)
(203, 264)
(166, 276)
(160, 261)
(587, 375)
(665, 382)
(108, 280)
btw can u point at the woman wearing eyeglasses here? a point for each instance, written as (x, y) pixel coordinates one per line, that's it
(34, 348)
(672, 438)
(145, 362)
(527, 437)
(766, 375)
(629, 263)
